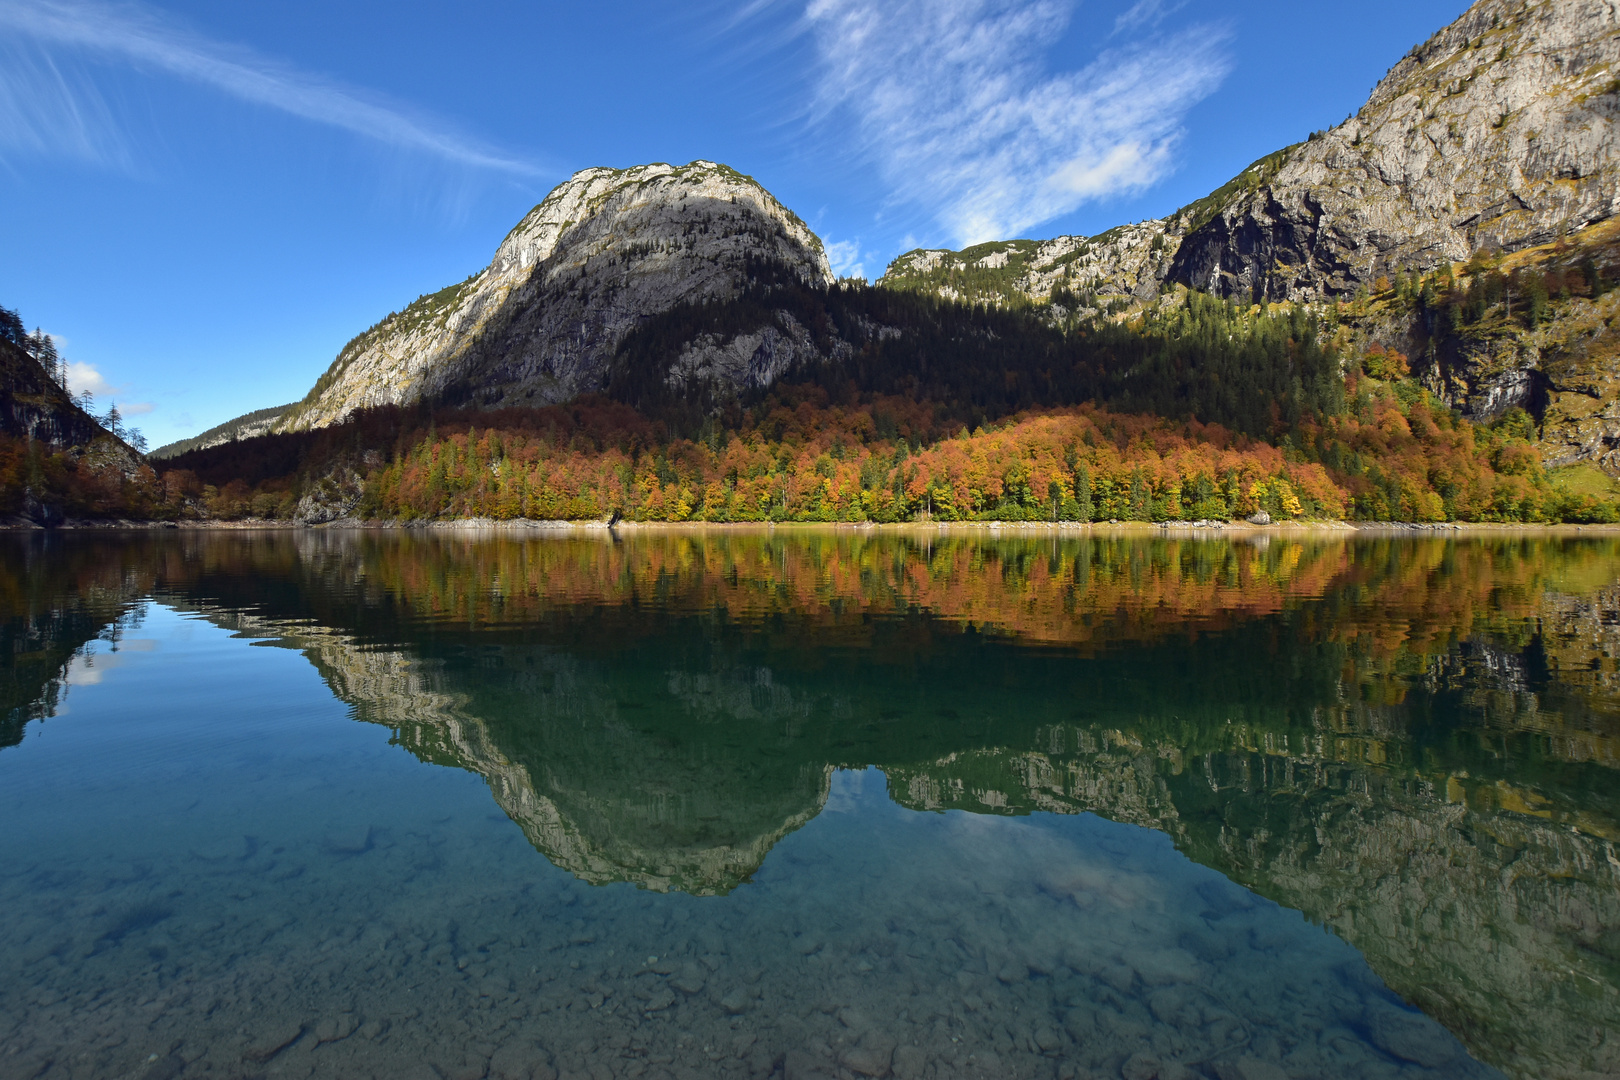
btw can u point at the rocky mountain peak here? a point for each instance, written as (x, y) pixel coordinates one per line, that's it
(605, 251)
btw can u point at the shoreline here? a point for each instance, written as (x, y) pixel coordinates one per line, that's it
(1178, 529)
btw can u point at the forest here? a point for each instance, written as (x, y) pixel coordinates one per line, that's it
(799, 455)
(932, 410)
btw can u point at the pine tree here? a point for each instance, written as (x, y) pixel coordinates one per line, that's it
(42, 348)
(1082, 493)
(11, 328)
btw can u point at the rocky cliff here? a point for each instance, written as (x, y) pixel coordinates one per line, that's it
(603, 253)
(35, 406)
(1497, 132)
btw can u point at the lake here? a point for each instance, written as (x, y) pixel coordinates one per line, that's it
(801, 803)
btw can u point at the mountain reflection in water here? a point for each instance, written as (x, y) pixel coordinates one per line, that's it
(1411, 741)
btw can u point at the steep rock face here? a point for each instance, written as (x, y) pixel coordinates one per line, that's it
(1496, 132)
(604, 252)
(752, 358)
(33, 406)
(1578, 361)
(1128, 261)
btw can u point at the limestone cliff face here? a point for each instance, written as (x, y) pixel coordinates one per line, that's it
(1499, 131)
(751, 359)
(604, 252)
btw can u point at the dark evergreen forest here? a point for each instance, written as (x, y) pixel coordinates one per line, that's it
(1202, 358)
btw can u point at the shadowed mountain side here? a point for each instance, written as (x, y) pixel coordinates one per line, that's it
(34, 406)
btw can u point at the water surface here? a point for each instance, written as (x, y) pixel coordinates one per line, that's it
(808, 804)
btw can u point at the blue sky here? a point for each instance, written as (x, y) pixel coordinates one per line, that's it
(204, 201)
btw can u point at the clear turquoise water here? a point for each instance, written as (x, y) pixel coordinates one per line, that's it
(283, 807)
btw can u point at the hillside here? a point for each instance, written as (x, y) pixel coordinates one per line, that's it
(247, 426)
(57, 461)
(604, 252)
(34, 405)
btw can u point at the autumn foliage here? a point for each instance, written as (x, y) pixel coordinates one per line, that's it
(810, 462)
(1394, 454)
(98, 481)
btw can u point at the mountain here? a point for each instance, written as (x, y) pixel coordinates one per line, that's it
(604, 252)
(1462, 221)
(1497, 133)
(57, 461)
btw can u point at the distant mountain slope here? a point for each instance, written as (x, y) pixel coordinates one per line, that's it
(257, 422)
(604, 252)
(1127, 261)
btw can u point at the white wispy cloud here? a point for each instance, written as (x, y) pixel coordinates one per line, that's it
(952, 102)
(82, 377)
(52, 108)
(1146, 13)
(844, 256)
(47, 104)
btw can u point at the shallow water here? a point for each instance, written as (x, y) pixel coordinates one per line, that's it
(808, 805)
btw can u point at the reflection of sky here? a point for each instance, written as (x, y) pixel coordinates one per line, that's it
(91, 664)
